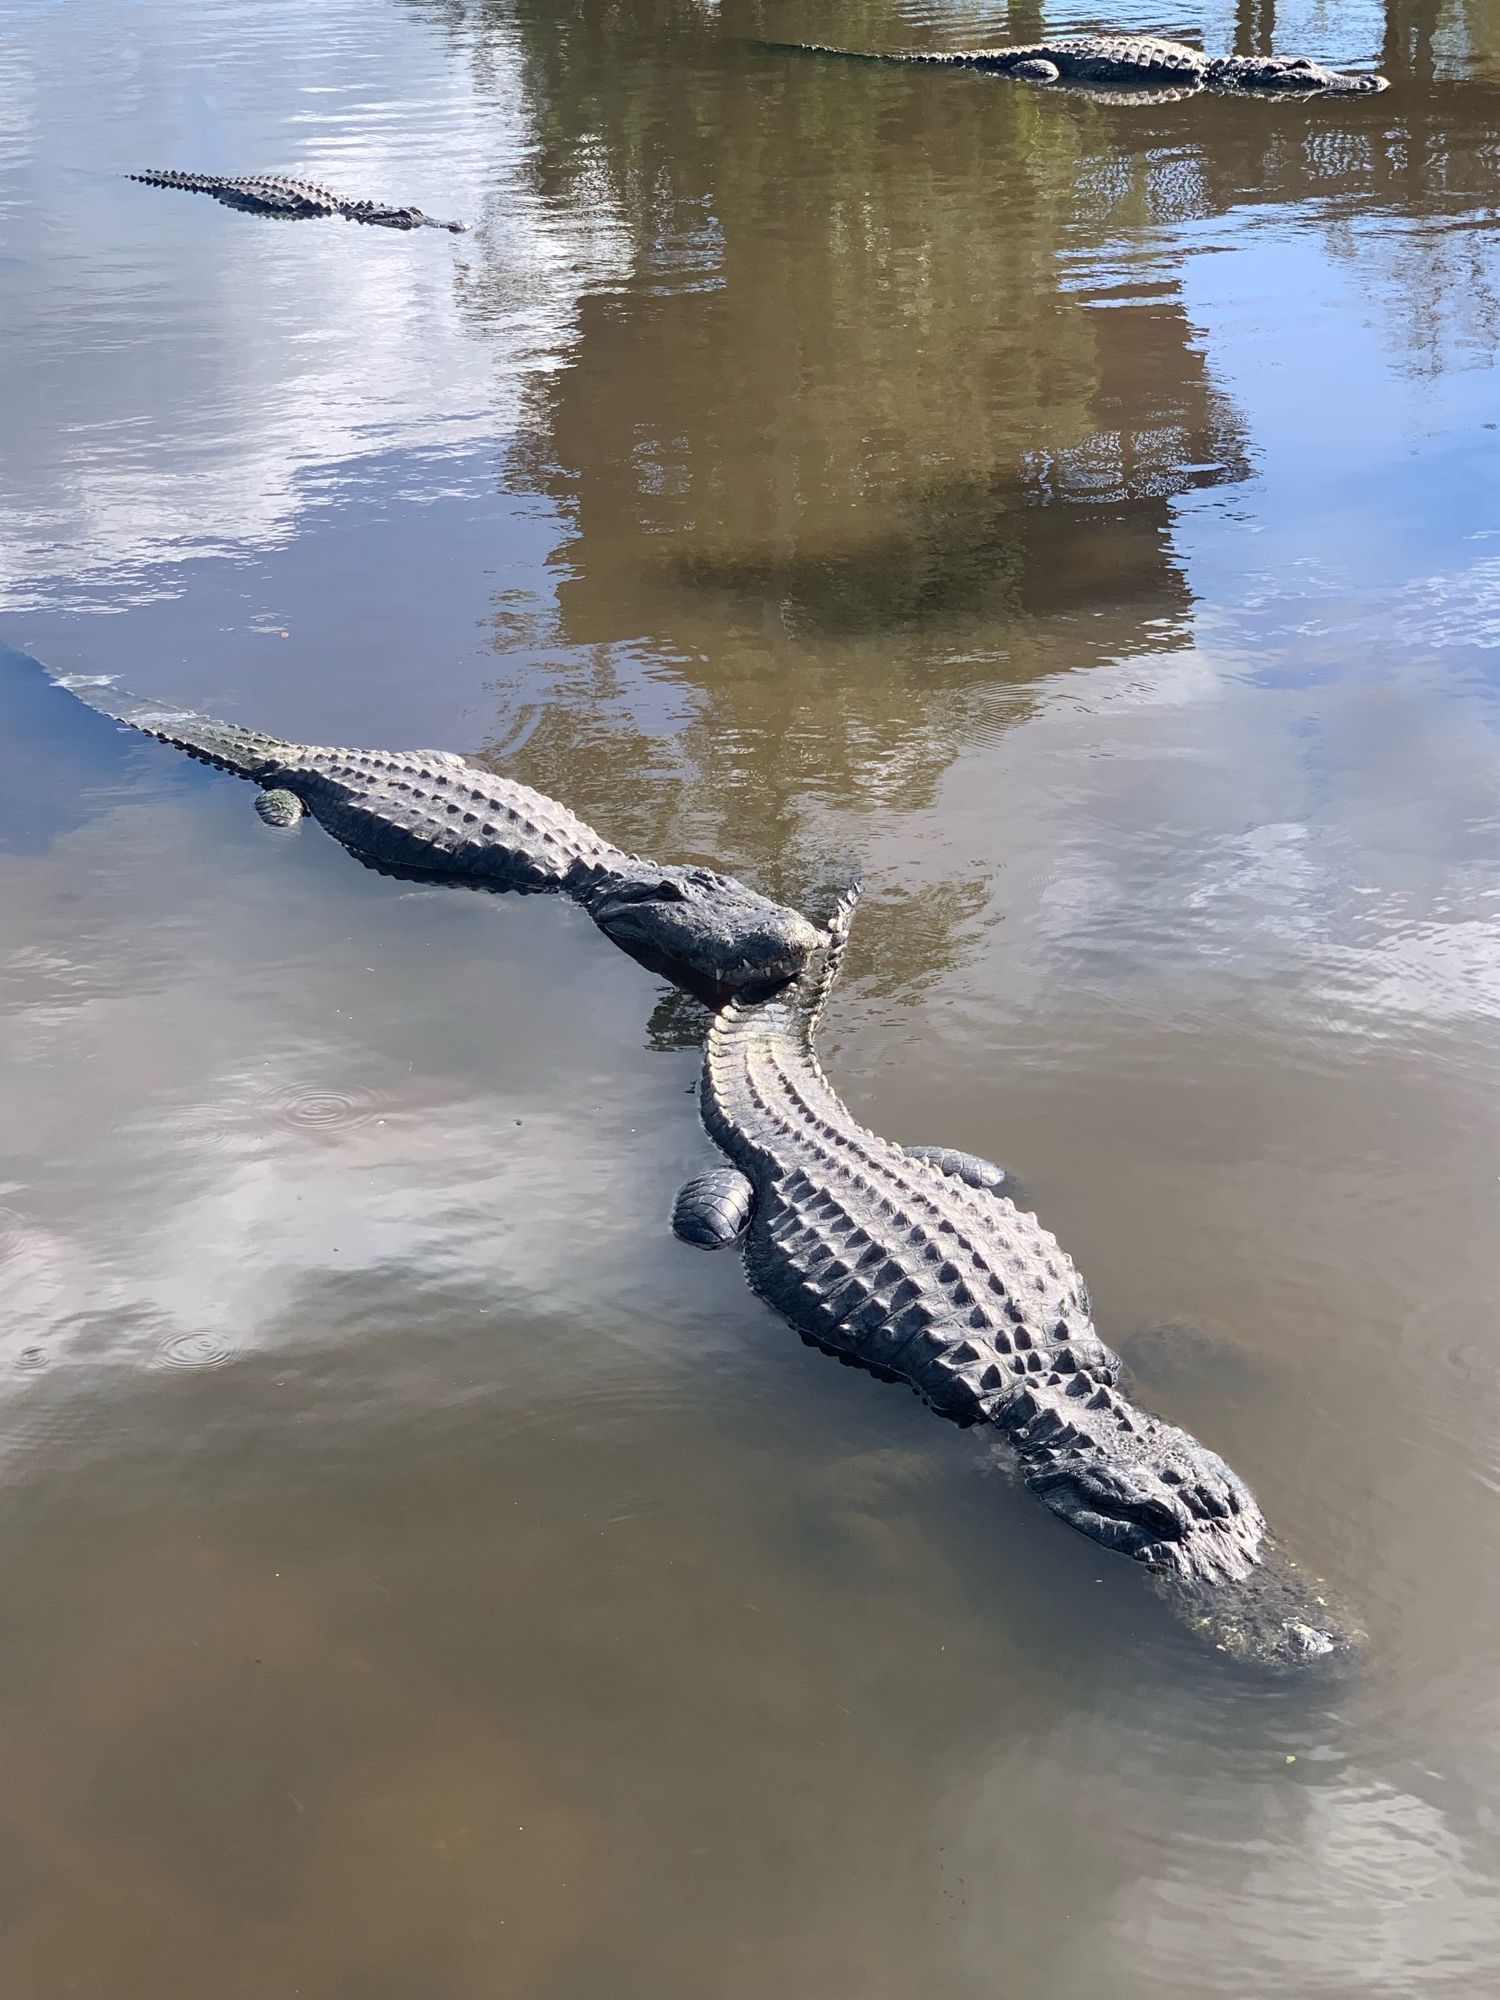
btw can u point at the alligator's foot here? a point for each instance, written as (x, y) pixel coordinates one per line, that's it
(969, 1168)
(1035, 69)
(280, 807)
(713, 1211)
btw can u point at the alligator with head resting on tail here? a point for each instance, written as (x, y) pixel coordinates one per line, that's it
(1129, 61)
(912, 1263)
(289, 198)
(432, 814)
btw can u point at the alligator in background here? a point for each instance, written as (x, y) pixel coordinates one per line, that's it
(433, 815)
(1126, 60)
(913, 1264)
(285, 196)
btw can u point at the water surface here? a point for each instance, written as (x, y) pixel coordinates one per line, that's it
(423, 1580)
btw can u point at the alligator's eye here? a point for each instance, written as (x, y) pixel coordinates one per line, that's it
(670, 892)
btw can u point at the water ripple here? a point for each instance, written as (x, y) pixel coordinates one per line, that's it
(12, 1232)
(204, 1349)
(317, 1108)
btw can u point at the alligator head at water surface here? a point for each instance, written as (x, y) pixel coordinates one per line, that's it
(697, 921)
(1149, 1491)
(1290, 76)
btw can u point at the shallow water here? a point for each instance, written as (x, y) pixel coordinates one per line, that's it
(422, 1578)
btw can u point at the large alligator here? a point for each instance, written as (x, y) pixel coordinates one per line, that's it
(913, 1264)
(286, 196)
(432, 814)
(1126, 60)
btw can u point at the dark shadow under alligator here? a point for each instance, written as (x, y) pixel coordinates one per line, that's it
(912, 1263)
(291, 199)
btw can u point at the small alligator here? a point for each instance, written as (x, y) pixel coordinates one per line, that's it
(434, 815)
(911, 1263)
(1125, 60)
(284, 195)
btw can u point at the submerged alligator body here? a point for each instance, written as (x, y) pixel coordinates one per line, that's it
(286, 196)
(432, 814)
(913, 1264)
(1129, 61)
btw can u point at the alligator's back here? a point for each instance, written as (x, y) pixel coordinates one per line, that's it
(877, 1256)
(267, 194)
(435, 813)
(289, 195)
(425, 810)
(912, 1272)
(1126, 59)
(1132, 61)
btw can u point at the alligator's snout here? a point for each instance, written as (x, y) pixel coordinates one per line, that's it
(1311, 76)
(1277, 1619)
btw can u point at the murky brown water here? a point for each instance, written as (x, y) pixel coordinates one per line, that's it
(423, 1581)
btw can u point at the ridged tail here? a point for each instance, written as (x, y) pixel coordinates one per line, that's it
(248, 753)
(849, 55)
(169, 177)
(808, 996)
(790, 1016)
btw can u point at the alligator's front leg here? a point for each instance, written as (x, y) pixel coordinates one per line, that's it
(969, 1168)
(714, 1210)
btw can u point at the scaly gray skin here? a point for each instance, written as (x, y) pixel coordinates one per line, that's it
(431, 813)
(879, 1256)
(1127, 60)
(286, 196)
